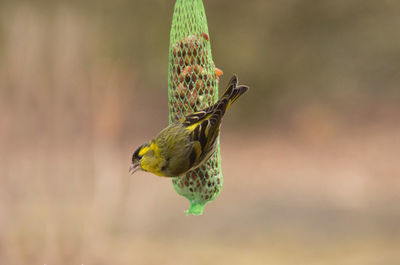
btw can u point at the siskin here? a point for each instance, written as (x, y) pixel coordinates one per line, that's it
(186, 144)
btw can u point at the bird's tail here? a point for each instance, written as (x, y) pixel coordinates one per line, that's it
(215, 112)
(232, 92)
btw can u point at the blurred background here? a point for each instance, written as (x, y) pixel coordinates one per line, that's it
(310, 155)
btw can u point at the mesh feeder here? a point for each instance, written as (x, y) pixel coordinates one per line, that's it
(192, 86)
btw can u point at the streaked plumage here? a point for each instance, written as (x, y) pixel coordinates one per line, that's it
(186, 144)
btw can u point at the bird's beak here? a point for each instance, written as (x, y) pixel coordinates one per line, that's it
(134, 167)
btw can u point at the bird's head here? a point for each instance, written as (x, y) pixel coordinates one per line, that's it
(147, 158)
(137, 157)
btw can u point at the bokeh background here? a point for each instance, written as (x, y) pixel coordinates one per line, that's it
(310, 155)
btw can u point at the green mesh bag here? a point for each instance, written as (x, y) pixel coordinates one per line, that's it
(192, 86)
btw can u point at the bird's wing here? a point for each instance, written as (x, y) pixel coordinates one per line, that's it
(216, 111)
(203, 126)
(195, 117)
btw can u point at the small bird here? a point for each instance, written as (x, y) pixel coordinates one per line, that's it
(186, 144)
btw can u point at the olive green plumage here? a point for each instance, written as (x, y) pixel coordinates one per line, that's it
(186, 144)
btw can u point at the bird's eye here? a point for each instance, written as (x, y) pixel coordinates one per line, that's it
(136, 155)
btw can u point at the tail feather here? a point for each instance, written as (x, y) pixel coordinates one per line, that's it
(215, 112)
(233, 91)
(231, 85)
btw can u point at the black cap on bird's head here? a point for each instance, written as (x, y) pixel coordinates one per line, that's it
(136, 157)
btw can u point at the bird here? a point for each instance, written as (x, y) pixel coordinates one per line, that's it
(187, 143)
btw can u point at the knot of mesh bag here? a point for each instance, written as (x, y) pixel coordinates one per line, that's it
(192, 86)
